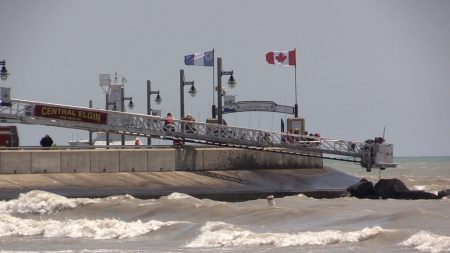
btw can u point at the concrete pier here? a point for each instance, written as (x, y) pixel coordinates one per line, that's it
(150, 173)
(147, 160)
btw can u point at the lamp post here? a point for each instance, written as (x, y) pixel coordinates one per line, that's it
(114, 93)
(90, 132)
(122, 100)
(122, 109)
(4, 72)
(192, 91)
(5, 93)
(231, 84)
(122, 106)
(158, 100)
(107, 103)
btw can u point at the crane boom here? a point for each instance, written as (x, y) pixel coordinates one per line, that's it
(369, 154)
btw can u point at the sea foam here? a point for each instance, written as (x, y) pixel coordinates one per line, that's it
(428, 188)
(177, 195)
(41, 202)
(79, 228)
(428, 242)
(219, 234)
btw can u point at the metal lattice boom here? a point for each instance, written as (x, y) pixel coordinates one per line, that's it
(368, 154)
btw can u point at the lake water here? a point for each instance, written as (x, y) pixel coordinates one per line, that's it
(44, 222)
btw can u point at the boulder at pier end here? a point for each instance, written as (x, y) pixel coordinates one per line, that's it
(444, 193)
(389, 189)
(396, 189)
(362, 189)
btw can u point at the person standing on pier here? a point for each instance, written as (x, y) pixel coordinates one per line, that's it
(137, 142)
(46, 141)
(168, 123)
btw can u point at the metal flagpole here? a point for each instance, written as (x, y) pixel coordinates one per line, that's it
(295, 73)
(214, 66)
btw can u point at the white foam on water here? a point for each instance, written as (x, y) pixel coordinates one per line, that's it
(303, 196)
(219, 234)
(41, 202)
(59, 251)
(120, 197)
(80, 228)
(428, 242)
(81, 251)
(177, 195)
(418, 188)
(427, 188)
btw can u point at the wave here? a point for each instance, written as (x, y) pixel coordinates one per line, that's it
(177, 195)
(120, 197)
(219, 234)
(81, 251)
(41, 202)
(80, 228)
(428, 242)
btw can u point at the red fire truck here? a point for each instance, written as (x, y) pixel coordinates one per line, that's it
(9, 136)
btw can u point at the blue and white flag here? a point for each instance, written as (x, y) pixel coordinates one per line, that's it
(200, 59)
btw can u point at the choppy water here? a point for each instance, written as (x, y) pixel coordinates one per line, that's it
(44, 222)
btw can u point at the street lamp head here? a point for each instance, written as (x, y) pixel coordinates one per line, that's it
(131, 104)
(158, 99)
(4, 72)
(231, 82)
(193, 91)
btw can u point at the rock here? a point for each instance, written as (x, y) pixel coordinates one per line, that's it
(387, 188)
(390, 188)
(396, 189)
(362, 189)
(443, 193)
(414, 195)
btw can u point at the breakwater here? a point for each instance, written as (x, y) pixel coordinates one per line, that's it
(187, 158)
(234, 174)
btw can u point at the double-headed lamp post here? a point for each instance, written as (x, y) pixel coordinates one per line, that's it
(119, 96)
(122, 109)
(231, 84)
(192, 91)
(3, 72)
(122, 106)
(158, 101)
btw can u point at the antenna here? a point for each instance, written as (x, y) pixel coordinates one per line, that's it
(384, 134)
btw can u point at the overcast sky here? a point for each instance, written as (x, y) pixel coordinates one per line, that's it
(361, 65)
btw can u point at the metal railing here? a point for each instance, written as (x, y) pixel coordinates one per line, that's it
(22, 111)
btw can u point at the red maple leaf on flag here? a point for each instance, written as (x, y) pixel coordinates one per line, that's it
(284, 58)
(281, 57)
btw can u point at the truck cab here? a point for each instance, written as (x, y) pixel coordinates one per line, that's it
(9, 136)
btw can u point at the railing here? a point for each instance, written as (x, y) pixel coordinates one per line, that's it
(21, 111)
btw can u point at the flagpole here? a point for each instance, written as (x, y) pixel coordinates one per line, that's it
(214, 66)
(295, 78)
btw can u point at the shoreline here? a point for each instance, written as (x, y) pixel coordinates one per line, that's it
(141, 194)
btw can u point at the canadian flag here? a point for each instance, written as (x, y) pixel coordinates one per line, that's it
(284, 58)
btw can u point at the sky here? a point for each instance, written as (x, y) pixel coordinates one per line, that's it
(362, 66)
